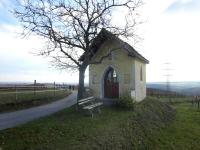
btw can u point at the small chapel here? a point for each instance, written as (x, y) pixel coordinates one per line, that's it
(122, 70)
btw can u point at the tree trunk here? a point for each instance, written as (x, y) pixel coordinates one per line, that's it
(81, 82)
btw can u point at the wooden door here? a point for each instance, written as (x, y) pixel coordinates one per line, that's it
(111, 84)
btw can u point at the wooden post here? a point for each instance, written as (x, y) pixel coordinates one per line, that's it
(34, 88)
(16, 93)
(192, 102)
(63, 87)
(195, 101)
(54, 84)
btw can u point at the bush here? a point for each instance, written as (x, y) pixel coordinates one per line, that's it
(126, 101)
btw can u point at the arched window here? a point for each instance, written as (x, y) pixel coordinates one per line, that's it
(111, 75)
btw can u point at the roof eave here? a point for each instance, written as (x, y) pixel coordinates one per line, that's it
(140, 58)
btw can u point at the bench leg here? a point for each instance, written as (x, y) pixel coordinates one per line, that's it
(99, 110)
(77, 107)
(91, 113)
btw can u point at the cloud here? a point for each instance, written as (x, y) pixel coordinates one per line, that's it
(173, 38)
(17, 63)
(6, 17)
(184, 6)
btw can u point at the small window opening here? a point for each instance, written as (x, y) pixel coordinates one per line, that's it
(94, 78)
(141, 74)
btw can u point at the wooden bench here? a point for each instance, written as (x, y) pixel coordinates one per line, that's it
(90, 104)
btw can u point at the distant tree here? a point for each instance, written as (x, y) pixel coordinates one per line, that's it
(71, 25)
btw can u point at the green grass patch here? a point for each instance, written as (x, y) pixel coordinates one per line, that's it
(115, 129)
(183, 133)
(11, 102)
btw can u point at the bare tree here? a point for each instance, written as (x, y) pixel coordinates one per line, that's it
(71, 25)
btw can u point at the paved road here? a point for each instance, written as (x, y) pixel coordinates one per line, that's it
(12, 119)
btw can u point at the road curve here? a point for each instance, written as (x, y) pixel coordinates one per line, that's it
(12, 119)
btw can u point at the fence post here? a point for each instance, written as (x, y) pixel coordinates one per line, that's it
(16, 93)
(54, 85)
(192, 102)
(34, 87)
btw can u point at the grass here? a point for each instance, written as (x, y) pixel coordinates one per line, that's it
(152, 125)
(9, 102)
(184, 132)
(65, 130)
(115, 128)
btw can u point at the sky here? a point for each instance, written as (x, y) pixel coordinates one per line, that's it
(172, 36)
(170, 41)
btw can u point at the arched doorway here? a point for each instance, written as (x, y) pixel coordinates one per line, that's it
(111, 84)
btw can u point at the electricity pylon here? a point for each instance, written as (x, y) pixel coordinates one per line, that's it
(168, 75)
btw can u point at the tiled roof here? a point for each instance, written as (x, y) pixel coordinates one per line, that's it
(106, 35)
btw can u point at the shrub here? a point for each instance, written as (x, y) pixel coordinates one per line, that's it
(126, 101)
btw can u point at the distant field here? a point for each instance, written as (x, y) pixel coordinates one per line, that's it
(176, 99)
(23, 89)
(181, 88)
(166, 96)
(11, 100)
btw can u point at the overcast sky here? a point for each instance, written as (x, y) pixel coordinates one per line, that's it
(171, 35)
